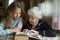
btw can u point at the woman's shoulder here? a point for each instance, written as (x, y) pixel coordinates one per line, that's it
(42, 21)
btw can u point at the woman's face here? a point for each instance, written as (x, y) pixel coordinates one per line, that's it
(32, 19)
(16, 13)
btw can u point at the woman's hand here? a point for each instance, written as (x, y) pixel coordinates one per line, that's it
(25, 30)
(16, 29)
(33, 31)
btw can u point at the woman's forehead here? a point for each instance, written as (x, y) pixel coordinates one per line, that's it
(32, 16)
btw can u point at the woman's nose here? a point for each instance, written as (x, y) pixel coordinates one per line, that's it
(18, 14)
(30, 20)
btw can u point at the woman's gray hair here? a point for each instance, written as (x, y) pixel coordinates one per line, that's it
(36, 12)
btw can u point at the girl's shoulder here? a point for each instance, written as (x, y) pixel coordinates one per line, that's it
(20, 19)
(3, 21)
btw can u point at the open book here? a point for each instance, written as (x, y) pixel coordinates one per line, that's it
(32, 35)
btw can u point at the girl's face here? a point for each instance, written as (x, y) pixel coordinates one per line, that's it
(16, 13)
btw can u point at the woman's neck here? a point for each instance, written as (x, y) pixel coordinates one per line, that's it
(35, 24)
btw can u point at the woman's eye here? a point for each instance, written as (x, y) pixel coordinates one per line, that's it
(32, 18)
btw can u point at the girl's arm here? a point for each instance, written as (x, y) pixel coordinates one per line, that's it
(20, 24)
(6, 31)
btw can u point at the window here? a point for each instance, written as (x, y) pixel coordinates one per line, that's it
(10, 1)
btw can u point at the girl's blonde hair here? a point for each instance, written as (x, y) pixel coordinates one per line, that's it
(8, 15)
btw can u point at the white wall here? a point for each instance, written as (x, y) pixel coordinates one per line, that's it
(52, 8)
(47, 8)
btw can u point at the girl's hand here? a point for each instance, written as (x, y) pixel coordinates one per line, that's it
(16, 29)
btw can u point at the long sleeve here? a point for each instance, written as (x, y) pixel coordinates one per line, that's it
(49, 31)
(20, 23)
(2, 31)
(46, 29)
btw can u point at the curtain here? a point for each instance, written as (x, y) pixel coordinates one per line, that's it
(56, 15)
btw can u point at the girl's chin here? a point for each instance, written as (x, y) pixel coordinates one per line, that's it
(16, 18)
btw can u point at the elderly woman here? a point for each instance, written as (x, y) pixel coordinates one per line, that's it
(37, 25)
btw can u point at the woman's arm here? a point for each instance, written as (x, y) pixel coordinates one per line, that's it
(49, 31)
(46, 30)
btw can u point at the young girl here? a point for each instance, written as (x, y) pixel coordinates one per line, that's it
(12, 21)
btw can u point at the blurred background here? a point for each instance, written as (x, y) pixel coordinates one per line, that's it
(50, 10)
